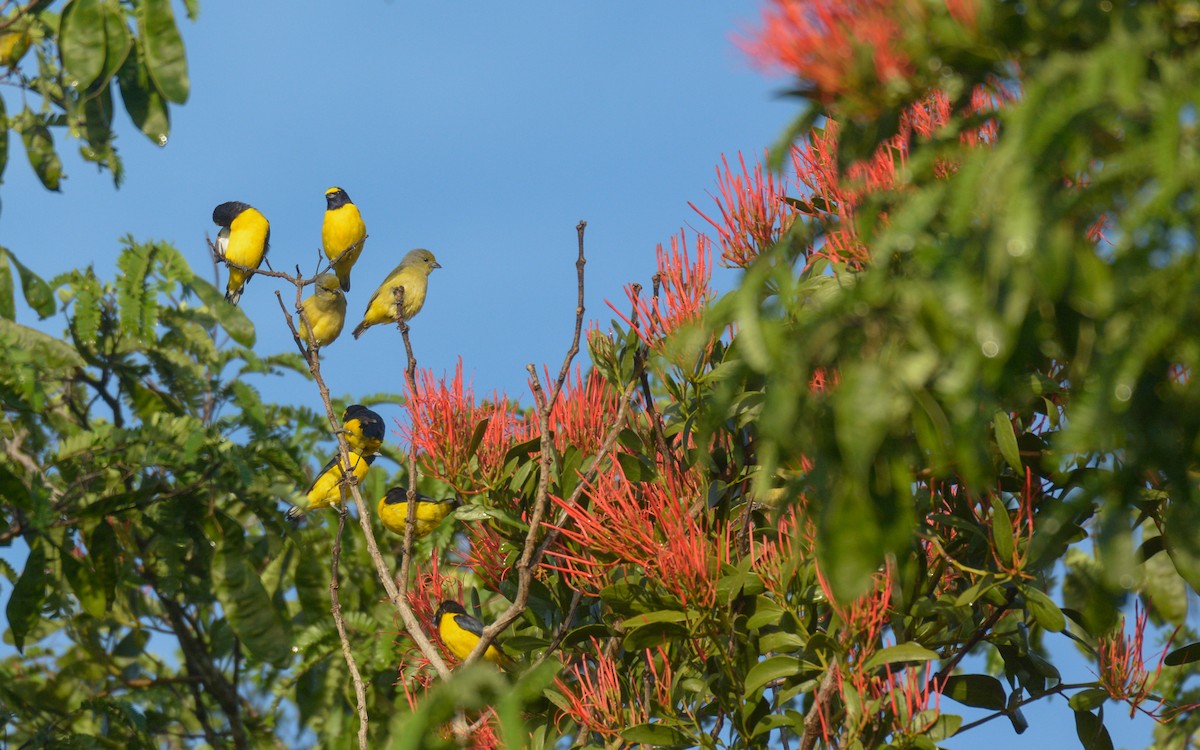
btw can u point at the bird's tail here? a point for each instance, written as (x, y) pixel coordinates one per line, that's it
(358, 329)
(295, 513)
(233, 295)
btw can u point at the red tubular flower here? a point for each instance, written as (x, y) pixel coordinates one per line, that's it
(444, 415)
(911, 693)
(825, 41)
(487, 557)
(685, 291)
(593, 694)
(1123, 671)
(647, 524)
(584, 413)
(754, 212)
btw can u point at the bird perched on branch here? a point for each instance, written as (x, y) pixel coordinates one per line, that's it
(460, 632)
(343, 233)
(413, 275)
(325, 311)
(393, 511)
(328, 488)
(364, 429)
(243, 242)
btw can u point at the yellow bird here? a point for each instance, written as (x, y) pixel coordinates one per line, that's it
(412, 274)
(342, 234)
(364, 429)
(328, 489)
(460, 632)
(325, 311)
(393, 511)
(243, 241)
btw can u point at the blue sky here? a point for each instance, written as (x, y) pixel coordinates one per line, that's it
(482, 131)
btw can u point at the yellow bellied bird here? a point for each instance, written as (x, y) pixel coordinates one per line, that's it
(364, 429)
(328, 488)
(325, 311)
(343, 233)
(243, 241)
(460, 632)
(412, 274)
(393, 511)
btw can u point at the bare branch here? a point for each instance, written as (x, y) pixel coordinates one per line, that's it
(360, 692)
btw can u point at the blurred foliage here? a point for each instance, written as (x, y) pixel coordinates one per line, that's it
(71, 60)
(852, 485)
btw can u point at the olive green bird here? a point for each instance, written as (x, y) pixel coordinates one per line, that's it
(343, 233)
(412, 274)
(325, 312)
(243, 241)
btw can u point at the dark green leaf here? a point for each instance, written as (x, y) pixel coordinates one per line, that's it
(477, 436)
(8, 305)
(1002, 532)
(81, 40)
(768, 670)
(25, 603)
(909, 651)
(39, 147)
(249, 608)
(1183, 655)
(143, 102)
(231, 317)
(1091, 731)
(37, 292)
(118, 40)
(165, 58)
(657, 735)
(976, 690)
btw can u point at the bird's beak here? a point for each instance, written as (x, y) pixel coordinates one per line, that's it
(436, 264)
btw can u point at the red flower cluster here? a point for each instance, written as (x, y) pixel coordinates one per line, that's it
(754, 211)
(684, 291)
(1123, 670)
(595, 691)
(647, 524)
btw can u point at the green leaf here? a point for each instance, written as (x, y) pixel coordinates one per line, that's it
(102, 551)
(1045, 611)
(1006, 440)
(249, 607)
(36, 291)
(657, 735)
(1091, 731)
(1086, 700)
(662, 615)
(1183, 655)
(81, 41)
(975, 690)
(231, 317)
(3, 139)
(1002, 531)
(143, 102)
(910, 651)
(1181, 534)
(165, 58)
(654, 634)
(39, 147)
(87, 588)
(25, 603)
(118, 40)
(768, 670)
(944, 727)
(8, 305)
(477, 436)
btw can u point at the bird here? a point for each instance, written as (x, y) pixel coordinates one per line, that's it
(325, 310)
(328, 489)
(342, 234)
(243, 242)
(364, 429)
(412, 274)
(393, 511)
(460, 632)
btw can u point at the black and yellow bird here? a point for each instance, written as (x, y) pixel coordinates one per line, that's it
(393, 511)
(460, 632)
(328, 489)
(243, 242)
(343, 233)
(364, 429)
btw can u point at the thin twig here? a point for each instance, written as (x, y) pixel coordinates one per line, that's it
(360, 692)
(527, 563)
